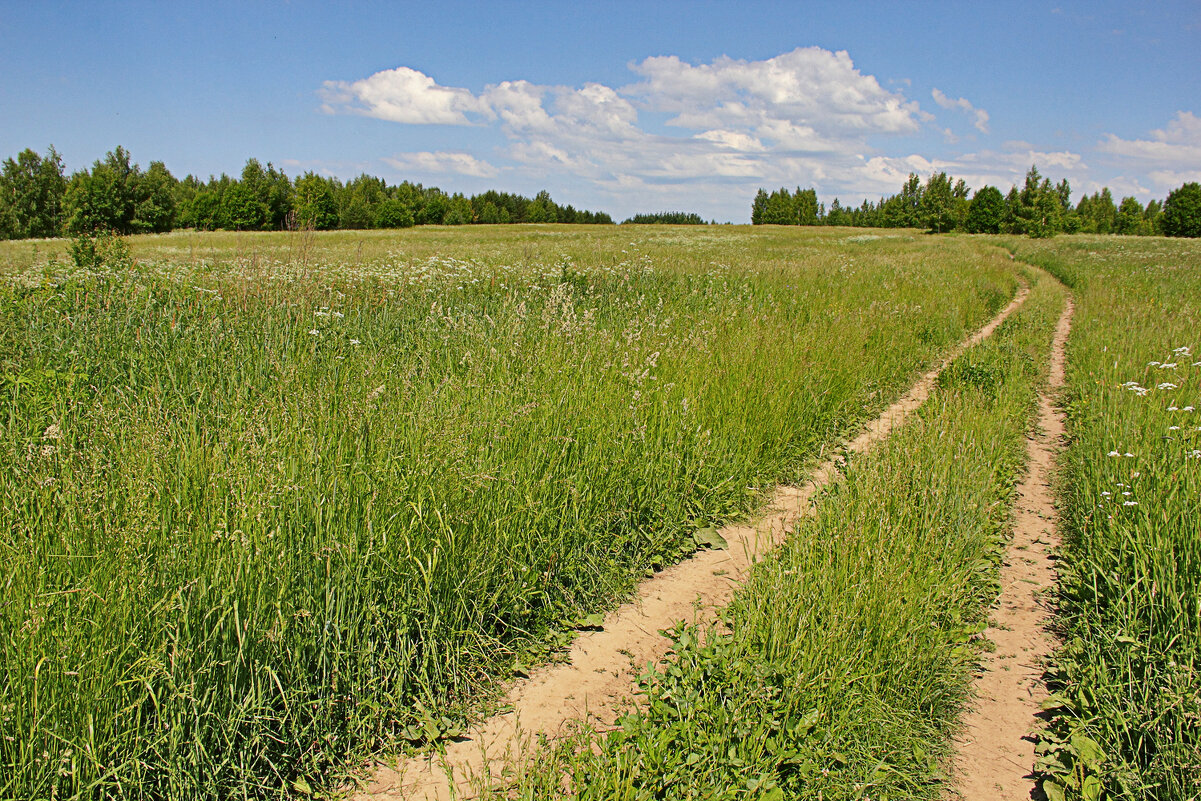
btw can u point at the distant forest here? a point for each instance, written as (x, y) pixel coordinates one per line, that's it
(666, 218)
(38, 200)
(1039, 209)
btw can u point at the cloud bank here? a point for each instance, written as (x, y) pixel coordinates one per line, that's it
(681, 134)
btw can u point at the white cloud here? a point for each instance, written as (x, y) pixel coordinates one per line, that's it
(979, 116)
(402, 95)
(442, 162)
(733, 140)
(1170, 152)
(807, 99)
(803, 118)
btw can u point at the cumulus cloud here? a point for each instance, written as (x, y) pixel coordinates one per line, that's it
(401, 95)
(442, 162)
(979, 116)
(1172, 153)
(808, 99)
(804, 118)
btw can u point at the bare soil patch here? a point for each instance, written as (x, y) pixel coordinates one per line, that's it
(599, 676)
(995, 748)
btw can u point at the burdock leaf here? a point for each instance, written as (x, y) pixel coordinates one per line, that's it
(708, 537)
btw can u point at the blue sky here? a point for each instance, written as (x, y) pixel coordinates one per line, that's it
(619, 106)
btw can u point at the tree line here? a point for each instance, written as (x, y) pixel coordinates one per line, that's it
(666, 218)
(1039, 209)
(37, 199)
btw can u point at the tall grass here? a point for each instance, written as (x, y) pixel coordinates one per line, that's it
(272, 502)
(842, 665)
(1127, 710)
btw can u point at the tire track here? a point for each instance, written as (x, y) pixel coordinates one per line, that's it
(995, 752)
(599, 677)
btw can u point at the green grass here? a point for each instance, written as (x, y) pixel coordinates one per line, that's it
(1127, 719)
(843, 664)
(273, 502)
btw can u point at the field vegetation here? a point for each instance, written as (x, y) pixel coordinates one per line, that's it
(840, 668)
(1127, 710)
(275, 501)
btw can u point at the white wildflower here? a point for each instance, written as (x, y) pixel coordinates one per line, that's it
(1167, 366)
(1187, 409)
(1129, 455)
(355, 342)
(1173, 409)
(1114, 453)
(1129, 503)
(1106, 494)
(1166, 385)
(315, 332)
(1183, 351)
(1173, 428)
(1153, 364)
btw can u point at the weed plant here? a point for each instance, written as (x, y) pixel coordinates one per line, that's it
(1127, 707)
(274, 502)
(840, 669)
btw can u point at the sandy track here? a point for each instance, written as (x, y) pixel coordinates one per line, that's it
(995, 752)
(599, 677)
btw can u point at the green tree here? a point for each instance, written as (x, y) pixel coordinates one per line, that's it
(459, 212)
(1130, 216)
(1151, 218)
(433, 208)
(104, 199)
(241, 208)
(1069, 221)
(836, 215)
(986, 211)
(780, 209)
(805, 204)
(1182, 211)
(542, 209)
(392, 213)
(1039, 211)
(32, 188)
(315, 206)
(154, 200)
(937, 204)
(1102, 214)
(758, 207)
(1010, 223)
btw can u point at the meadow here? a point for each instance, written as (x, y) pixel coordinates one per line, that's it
(1126, 715)
(275, 502)
(840, 669)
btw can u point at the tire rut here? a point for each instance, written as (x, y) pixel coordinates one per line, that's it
(995, 749)
(599, 677)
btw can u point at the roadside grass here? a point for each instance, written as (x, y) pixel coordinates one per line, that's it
(840, 669)
(1126, 714)
(272, 503)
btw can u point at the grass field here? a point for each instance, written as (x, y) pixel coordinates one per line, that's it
(843, 663)
(1127, 714)
(274, 501)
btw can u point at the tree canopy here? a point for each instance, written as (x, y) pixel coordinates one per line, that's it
(117, 195)
(1182, 211)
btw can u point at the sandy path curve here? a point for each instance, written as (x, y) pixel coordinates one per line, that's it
(995, 752)
(599, 677)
